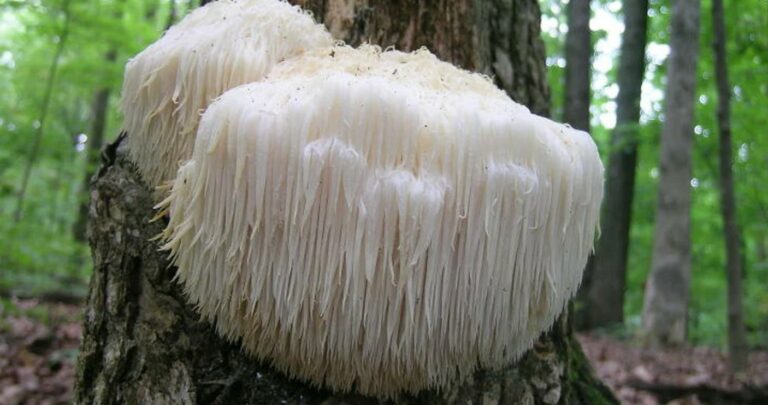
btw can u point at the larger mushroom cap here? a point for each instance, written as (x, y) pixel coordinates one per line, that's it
(383, 221)
(222, 45)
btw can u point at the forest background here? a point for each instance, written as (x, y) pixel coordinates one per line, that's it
(61, 65)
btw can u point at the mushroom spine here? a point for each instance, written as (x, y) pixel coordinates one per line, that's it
(381, 220)
(222, 45)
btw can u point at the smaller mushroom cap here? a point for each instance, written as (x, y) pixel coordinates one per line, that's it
(222, 45)
(382, 220)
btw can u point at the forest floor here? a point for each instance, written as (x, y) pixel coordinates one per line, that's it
(38, 349)
(687, 375)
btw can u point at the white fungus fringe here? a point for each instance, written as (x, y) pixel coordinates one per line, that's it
(222, 45)
(382, 221)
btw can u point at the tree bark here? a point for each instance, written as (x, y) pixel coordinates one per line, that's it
(605, 298)
(737, 341)
(143, 343)
(665, 310)
(499, 38)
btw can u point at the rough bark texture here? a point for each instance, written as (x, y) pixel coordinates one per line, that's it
(605, 297)
(665, 308)
(737, 340)
(500, 38)
(142, 343)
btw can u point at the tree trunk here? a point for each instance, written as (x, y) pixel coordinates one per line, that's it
(499, 38)
(737, 342)
(171, 15)
(142, 343)
(605, 298)
(665, 308)
(578, 52)
(99, 110)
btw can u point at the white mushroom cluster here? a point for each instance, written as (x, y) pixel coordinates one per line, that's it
(380, 221)
(215, 48)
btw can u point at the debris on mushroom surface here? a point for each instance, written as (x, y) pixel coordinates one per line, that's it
(382, 221)
(222, 45)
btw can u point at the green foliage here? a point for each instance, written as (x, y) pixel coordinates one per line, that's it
(748, 54)
(39, 252)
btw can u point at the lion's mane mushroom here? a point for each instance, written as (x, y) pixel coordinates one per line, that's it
(382, 221)
(222, 45)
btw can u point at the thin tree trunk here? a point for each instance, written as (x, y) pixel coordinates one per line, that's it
(578, 52)
(171, 15)
(737, 342)
(665, 308)
(605, 301)
(99, 109)
(142, 343)
(34, 152)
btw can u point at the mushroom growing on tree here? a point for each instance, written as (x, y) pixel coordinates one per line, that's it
(222, 45)
(382, 221)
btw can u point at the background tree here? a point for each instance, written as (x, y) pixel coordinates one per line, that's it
(61, 40)
(665, 313)
(143, 342)
(41, 256)
(737, 343)
(578, 53)
(605, 295)
(99, 110)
